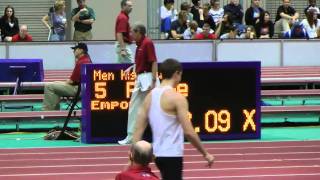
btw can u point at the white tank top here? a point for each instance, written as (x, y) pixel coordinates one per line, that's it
(167, 132)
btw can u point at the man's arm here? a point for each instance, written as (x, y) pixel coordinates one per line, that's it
(120, 40)
(142, 118)
(87, 21)
(154, 70)
(182, 115)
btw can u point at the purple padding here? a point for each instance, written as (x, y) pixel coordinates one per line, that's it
(30, 70)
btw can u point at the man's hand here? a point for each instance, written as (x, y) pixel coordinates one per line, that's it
(123, 53)
(210, 159)
(83, 10)
(128, 71)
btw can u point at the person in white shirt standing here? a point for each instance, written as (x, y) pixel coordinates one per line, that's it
(167, 112)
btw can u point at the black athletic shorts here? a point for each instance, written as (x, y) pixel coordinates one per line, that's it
(170, 167)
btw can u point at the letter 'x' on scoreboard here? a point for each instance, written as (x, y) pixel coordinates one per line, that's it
(249, 120)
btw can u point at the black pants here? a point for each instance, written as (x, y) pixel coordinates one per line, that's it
(170, 167)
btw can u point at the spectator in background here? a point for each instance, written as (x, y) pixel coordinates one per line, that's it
(250, 33)
(195, 10)
(140, 156)
(22, 36)
(9, 24)
(168, 14)
(312, 5)
(253, 14)
(205, 17)
(83, 17)
(265, 27)
(192, 30)
(205, 34)
(123, 33)
(235, 10)
(216, 11)
(286, 16)
(232, 34)
(179, 26)
(54, 90)
(225, 26)
(297, 32)
(311, 23)
(185, 6)
(58, 22)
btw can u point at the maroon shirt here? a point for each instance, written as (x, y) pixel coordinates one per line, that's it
(137, 173)
(17, 38)
(201, 36)
(75, 76)
(145, 55)
(123, 26)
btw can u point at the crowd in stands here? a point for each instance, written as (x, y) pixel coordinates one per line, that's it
(56, 21)
(231, 21)
(227, 22)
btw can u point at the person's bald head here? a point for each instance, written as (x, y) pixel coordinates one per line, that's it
(141, 153)
(23, 30)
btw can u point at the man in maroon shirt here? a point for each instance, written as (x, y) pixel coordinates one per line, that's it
(22, 36)
(54, 90)
(205, 34)
(122, 33)
(141, 154)
(146, 68)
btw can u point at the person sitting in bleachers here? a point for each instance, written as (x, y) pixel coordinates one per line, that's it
(286, 16)
(235, 10)
(233, 33)
(58, 22)
(205, 17)
(216, 11)
(22, 36)
(185, 6)
(265, 28)
(312, 6)
(192, 30)
(297, 32)
(179, 26)
(167, 14)
(205, 34)
(225, 26)
(195, 10)
(250, 33)
(9, 24)
(311, 23)
(53, 91)
(254, 13)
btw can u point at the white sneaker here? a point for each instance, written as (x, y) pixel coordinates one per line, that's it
(125, 141)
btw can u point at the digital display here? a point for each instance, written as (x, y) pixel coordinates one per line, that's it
(224, 100)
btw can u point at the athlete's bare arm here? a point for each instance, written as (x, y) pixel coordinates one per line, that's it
(182, 109)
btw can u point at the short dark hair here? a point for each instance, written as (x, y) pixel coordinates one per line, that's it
(165, 2)
(195, 1)
(185, 6)
(141, 156)
(139, 27)
(123, 3)
(169, 67)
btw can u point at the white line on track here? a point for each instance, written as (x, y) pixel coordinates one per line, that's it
(193, 155)
(253, 176)
(188, 170)
(187, 149)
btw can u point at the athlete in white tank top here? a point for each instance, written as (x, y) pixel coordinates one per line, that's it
(167, 132)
